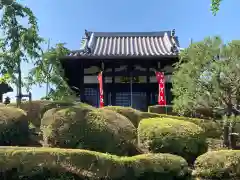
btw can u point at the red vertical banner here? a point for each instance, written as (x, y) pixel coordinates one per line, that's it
(100, 80)
(161, 88)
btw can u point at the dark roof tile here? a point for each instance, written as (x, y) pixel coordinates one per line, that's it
(103, 44)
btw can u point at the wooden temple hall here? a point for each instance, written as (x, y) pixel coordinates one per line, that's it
(128, 61)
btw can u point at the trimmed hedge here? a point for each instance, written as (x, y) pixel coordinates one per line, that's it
(156, 166)
(135, 116)
(223, 164)
(13, 127)
(92, 164)
(167, 135)
(36, 109)
(161, 109)
(95, 129)
(213, 129)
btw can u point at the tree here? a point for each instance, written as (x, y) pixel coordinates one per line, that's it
(48, 70)
(208, 77)
(19, 43)
(215, 6)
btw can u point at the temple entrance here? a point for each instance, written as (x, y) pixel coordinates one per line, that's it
(136, 100)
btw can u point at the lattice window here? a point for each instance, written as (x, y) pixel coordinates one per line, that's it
(123, 99)
(91, 96)
(138, 100)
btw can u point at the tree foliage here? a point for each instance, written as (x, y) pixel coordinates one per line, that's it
(19, 42)
(208, 76)
(48, 70)
(215, 6)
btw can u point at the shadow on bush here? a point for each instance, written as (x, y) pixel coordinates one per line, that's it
(13, 127)
(40, 174)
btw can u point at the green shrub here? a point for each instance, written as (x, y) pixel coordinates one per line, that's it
(213, 129)
(36, 109)
(13, 126)
(215, 144)
(133, 115)
(223, 164)
(95, 129)
(161, 109)
(156, 166)
(92, 164)
(79, 162)
(40, 174)
(167, 135)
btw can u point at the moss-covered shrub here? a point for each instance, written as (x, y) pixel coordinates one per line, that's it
(135, 116)
(213, 129)
(13, 126)
(95, 129)
(92, 164)
(223, 164)
(36, 109)
(79, 162)
(156, 166)
(167, 135)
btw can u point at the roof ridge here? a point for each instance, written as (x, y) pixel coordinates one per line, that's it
(127, 34)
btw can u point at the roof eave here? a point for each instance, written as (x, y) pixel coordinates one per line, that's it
(118, 57)
(5, 88)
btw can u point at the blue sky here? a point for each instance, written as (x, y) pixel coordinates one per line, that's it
(65, 20)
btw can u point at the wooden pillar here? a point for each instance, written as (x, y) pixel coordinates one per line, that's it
(105, 89)
(113, 91)
(148, 93)
(81, 82)
(130, 75)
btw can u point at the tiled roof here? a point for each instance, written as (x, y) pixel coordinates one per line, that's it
(123, 44)
(5, 88)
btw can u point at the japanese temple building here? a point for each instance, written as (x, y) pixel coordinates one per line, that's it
(128, 61)
(4, 88)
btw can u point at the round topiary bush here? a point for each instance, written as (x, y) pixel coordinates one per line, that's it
(168, 135)
(213, 129)
(223, 164)
(133, 115)
(156, 166)
(13, 127)
(95, 129)
(36, 109)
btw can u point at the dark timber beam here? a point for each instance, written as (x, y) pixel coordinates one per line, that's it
(148, 92)
(81, 82)
(113, 91)
(124, 73)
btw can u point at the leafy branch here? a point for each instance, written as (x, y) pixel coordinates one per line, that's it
(19, 43)
(215, 5)
(48, 70)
